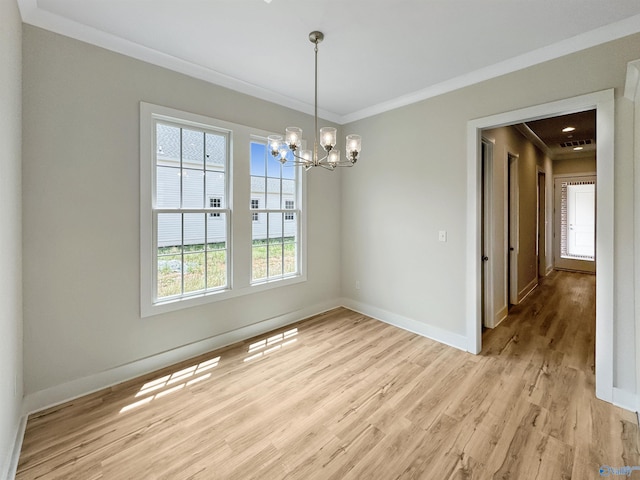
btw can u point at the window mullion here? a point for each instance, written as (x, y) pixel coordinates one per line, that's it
(268, 240)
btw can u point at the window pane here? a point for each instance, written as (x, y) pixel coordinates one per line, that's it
(216, 269)
(167, 187)
(169, 254)
(259, 226)
(192, 148)
(215, 185)
(169, 275)
(258, 189)
(275, 260)
(289, 171)
(192, 188)
(193, 272)
(194, 231)
(288, 192)
(170, 230)
(259, 261)
(273, 193)
(275, 227)
(290, 257)
(258, 157)
(273, 166)
(167, 144)
(216, 151)
(217, 232)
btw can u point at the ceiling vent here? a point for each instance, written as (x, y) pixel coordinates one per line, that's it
(577, 143)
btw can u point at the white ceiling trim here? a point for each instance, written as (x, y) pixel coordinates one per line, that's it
(633, 80)
(33, 15)
(37, 17)
(610, 32)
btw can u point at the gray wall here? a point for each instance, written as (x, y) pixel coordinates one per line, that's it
(11, 229)
(417, 156)
(81, 219)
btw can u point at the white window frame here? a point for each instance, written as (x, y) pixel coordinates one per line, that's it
(283, 211)
(239, 224)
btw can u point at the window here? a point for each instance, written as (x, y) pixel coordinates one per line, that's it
(274, 242)
(288, 204)
(189, 234)
(255, 205)
(192, 251)
(215, 202)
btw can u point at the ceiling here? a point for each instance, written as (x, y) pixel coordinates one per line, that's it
(547, 134)
(376, 55)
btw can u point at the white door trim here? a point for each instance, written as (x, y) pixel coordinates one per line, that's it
(512, 227)
(489, 264)
(604, 104)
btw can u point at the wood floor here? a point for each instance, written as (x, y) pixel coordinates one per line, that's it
(343, 396)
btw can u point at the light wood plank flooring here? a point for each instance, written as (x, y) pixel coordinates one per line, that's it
(343, 396)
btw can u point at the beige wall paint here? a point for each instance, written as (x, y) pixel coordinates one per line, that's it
(393, 250)
(81, 219)
(586, 164)
(508, 140)
(11, 230)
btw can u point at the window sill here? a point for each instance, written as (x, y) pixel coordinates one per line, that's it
(176, 304)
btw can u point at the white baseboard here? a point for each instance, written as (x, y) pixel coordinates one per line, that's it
(414, 326)
(500, 316)
(624, 399)
(58, 394)
(17, 448)
(527, 290)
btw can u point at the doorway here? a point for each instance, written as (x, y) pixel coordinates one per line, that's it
(513, 228)
(575, 220)
(603, 103)
(541, 244)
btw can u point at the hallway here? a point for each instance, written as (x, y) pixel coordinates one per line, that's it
(548, 342)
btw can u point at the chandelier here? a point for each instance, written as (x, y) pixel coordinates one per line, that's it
(292, 141)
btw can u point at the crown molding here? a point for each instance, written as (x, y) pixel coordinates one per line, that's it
(33, 15)
(633, 80)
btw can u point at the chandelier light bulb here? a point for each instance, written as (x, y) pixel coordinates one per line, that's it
(275, 142)
(293, 137)
(328, 138)
(307, 156)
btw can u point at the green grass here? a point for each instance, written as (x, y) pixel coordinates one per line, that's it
(275, 255)
(199, 274)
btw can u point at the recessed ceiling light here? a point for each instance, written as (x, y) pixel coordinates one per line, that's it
(568, 129)
(577, 148)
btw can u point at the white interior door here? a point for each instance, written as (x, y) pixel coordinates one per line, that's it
(581, 214)
(574, 233)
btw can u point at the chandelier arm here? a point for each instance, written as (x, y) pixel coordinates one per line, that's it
(293, 135)
(326, 166)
